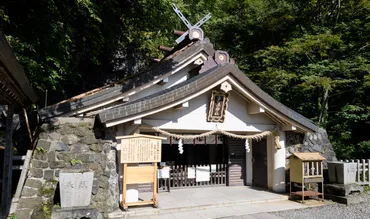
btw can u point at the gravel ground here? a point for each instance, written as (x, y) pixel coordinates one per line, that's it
(335, 211)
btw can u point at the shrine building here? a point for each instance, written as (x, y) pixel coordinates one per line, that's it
(198, 91)
(220, 128)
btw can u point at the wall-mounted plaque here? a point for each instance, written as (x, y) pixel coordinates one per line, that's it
(140, 149)
(217, 106)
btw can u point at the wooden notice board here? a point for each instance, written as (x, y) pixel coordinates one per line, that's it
(140, 149)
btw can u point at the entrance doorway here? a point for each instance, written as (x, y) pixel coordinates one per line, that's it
(203, 163)
(259, 160)
(236, 171)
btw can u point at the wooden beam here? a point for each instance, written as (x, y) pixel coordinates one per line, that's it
(288, 128)
(163, 81)
(22, 178)
(254, 108)
(28, 125)
(137, 122)
(165, 48)
(181, 106)
(198, 61)
(178, 32)
(6, 186)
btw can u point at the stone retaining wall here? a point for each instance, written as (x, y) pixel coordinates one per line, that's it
(69, 143)
(310, 142)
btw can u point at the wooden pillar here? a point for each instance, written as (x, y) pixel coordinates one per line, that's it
(6, 186)
(278, 178)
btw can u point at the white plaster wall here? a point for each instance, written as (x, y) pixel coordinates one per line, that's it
(194, 117)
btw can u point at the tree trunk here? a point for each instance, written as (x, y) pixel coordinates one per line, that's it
(324, 106)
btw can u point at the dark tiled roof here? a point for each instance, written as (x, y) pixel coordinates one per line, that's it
(98, 96)
(15, 86)
(187, 88)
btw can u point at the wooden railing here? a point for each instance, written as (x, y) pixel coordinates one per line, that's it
(179, 177)
(313, 169)
(363, 173)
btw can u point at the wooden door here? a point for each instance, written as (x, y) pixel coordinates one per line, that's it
(259, 160)
(236, 170)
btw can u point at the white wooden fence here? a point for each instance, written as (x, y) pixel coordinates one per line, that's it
(363, 173)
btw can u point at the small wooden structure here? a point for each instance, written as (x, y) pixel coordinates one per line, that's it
(306, 168)
(137, 149)
(17, 94)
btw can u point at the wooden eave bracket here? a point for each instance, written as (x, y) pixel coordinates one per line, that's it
(136, 122)
(163, 81)
(181, 106)
(288, 128)
(254, 108)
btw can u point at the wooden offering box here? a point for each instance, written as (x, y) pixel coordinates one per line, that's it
(306, 168)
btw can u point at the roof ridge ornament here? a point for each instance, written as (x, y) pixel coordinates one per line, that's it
(194, 31)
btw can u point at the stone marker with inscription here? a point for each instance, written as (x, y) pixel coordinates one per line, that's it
(75, 188)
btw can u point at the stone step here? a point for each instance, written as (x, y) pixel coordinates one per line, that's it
(350, 199)
(145, 211)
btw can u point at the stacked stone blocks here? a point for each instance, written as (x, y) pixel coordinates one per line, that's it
(69, 143)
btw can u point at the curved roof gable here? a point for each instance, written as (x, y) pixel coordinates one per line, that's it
(166, 98)
(106, 95)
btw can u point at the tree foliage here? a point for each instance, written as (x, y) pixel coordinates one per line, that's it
(311, 55)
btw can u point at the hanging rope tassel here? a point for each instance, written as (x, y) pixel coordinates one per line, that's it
(181, 149)
(247, 146)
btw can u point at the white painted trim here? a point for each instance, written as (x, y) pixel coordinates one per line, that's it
(181, 66)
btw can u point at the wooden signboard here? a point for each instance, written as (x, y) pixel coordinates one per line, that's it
(140, 149)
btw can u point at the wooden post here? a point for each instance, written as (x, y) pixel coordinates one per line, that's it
(124, 204)
(302, 182)
(363, 171)
(322, 182)
(368, 172)
(155, 185)
(8, 163)
(22, 178)
(358, 171)
(28, 125)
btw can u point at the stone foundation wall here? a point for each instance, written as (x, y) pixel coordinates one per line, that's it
(69, 143)
(310, 142)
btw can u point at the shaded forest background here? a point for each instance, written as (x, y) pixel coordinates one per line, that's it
(312, 55)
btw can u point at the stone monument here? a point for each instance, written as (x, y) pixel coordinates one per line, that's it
(75, 188)
(342, 186)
